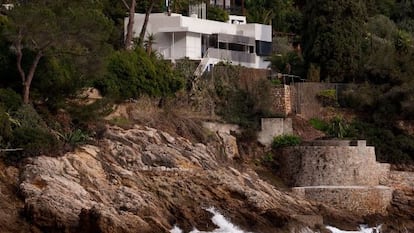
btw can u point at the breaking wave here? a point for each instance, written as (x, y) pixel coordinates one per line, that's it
(225, 226)
(363, 229)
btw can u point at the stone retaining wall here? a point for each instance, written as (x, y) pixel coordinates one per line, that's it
(331, 165)
(361, 200)
(282, 100)
(271, 127)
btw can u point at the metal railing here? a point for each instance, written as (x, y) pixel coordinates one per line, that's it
(235, 56)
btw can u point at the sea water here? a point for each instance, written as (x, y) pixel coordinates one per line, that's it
(225, 226)
(363, 229)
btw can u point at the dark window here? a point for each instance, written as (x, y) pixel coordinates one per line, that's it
(251, 49)
(236, 47)
(263, 48)
(213, 41)
(222, 45)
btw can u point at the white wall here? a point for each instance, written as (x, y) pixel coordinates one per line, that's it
(162, 44)
(187, 35)
(193, 48)
(258, 31)
(159, 21)
(180, 45)
(208, 26)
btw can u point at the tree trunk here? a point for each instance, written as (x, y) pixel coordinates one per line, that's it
(28, 79)
(144, 26)
(130, 27)
(19, 56)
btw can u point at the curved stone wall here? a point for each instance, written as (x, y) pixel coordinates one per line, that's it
(331, 165)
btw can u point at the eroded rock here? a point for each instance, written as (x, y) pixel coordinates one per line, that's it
(144, 180)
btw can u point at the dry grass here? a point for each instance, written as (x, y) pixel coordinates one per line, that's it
(173, 116)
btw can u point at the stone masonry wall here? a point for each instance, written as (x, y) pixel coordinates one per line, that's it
(282, 103)
(360, 200)
(331, 165)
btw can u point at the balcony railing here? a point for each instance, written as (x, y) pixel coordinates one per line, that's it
(235, 56)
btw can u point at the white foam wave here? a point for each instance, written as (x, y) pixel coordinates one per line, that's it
(225, 226)
(363, 229)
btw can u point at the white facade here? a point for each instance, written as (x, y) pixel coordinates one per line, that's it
(178, 36)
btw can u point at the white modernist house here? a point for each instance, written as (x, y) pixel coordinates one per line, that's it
(208, 41)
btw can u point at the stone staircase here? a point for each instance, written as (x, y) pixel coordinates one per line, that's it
(204, 63)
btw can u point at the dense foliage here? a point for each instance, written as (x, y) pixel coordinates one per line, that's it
(132, 74)
(54, 49)
(58, 48)
(217, 13)
(283, 15)
(332, 37)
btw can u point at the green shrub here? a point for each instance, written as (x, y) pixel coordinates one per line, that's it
(84, 114)
(275, 81)
(217, 14)
(337, 127)
(56, 80)
(132, 74)
(35, 141)
(74, 138)
(5, 128)
(288, 63)
(236, 106)
(363, 97)
(319, 124)
(10, 99)
(27, 117)
(236, 101)
(328, 98)
(340, 128)
(285, 141)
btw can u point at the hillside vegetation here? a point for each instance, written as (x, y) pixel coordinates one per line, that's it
(50, 51)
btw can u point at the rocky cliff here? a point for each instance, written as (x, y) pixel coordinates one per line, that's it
(146, 180)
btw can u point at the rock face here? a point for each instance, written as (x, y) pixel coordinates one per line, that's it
(10, 205)
(145, 180)
(402, 205)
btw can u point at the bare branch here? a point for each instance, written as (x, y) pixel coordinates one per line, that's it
(144, 25)
(34, 43)
(130, 27)
(126, 5)
(29, 77)
(19, 55)
(45, 46)
(11, 150)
